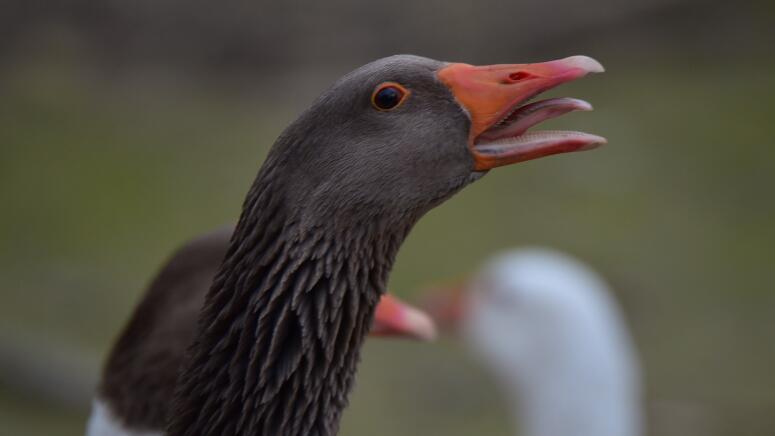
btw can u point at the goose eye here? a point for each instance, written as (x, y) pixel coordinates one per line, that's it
(388, 96)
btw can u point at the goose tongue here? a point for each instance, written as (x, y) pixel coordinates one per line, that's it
(531, 114)
(509, 138)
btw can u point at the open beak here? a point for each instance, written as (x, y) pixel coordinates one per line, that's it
(393, 317)
(496, 96)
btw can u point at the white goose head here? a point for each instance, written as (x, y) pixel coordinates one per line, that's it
(548, 328)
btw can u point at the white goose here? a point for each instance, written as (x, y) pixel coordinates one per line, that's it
(547, 327)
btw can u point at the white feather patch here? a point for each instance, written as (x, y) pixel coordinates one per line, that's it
(103, 422)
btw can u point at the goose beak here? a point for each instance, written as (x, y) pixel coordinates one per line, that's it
(393, 317)
(495, 98)
(447, 305)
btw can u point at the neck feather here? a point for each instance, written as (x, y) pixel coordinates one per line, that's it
(279, 336)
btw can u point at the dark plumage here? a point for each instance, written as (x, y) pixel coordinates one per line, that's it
(283, 324)
(139, 377)
(280, 330)
(138, 380)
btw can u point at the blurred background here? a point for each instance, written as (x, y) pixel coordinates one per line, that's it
(128, 127)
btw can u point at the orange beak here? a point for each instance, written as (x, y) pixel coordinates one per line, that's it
(447, 305)
(494, 97)
(393, 317)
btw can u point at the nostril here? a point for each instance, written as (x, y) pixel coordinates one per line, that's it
(519, 75)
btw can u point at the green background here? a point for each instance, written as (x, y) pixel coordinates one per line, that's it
(107, 165)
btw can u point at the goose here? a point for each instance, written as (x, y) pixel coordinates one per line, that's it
(279, 333)
(138, 381)
(548, 328)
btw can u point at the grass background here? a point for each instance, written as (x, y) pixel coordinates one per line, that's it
(102, 176)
